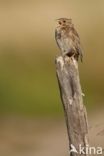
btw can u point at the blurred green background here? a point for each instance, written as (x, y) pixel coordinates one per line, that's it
(31, 114)
(28, 84)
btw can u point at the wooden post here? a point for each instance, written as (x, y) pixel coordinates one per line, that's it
(74, 110)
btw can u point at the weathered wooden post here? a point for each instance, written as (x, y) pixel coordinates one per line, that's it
(74, 109)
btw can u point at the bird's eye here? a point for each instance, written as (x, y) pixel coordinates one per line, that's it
(64, 21)
(59, 22)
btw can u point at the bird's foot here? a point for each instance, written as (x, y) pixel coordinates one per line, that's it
(75, 62)
(67, 59)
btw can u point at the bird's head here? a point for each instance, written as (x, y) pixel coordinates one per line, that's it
(64, 22)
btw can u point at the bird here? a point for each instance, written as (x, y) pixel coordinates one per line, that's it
(68, 39)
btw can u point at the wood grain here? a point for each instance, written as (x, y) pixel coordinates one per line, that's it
(71, 96)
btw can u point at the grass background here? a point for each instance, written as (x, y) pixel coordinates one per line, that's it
(28, 84)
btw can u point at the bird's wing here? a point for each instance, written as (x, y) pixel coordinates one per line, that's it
(77, 43)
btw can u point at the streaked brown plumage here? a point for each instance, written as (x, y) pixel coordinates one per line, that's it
(68, 39)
